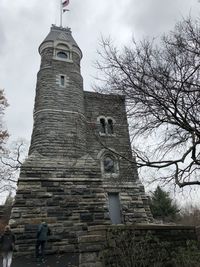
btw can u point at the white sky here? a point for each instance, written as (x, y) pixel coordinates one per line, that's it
(25, 23)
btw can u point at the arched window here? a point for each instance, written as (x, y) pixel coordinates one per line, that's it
(110, 126)
(106, 125)
(63, 52)
(108, 164)
(62, 55)
(102, 126)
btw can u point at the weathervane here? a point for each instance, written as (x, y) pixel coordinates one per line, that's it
(63, 5)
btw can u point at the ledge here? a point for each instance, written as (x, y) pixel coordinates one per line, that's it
(28, 179)
(141, 227)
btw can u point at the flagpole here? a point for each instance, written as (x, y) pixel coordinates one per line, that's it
(60, 13)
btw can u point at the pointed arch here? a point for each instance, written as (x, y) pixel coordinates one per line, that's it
(109, 163)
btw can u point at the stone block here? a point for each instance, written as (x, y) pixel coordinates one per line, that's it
(91, 238)
(89, 247)
(91, 264)
(86, 217)
(88, 257)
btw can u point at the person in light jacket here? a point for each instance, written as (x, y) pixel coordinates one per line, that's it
(7, 244)
(42, 237)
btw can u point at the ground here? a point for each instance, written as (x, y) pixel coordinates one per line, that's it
(64, 260)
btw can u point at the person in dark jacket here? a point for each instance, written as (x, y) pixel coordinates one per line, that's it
(42, 236)
(7, 242)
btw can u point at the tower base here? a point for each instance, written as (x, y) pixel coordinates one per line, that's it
(70, 196)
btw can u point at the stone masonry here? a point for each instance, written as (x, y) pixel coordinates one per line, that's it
(78, 155)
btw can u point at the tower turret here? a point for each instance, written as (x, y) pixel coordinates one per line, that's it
(59, 126)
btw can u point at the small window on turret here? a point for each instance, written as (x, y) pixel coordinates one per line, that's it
(62, 80)
(62, 55)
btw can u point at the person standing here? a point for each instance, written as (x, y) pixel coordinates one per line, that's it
(7, 242)
(42, 236)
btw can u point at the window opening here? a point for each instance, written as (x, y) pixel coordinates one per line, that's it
(109, 164)
(110, 126)
(102, 126)
(62, 80)
(62, 55)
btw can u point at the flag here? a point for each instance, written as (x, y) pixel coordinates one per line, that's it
(65, 3)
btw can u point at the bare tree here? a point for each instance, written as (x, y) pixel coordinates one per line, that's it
(161, 82)
(10, 162)
(3, 132)
(11, 157)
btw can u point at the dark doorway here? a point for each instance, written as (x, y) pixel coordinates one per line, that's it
(114, 208)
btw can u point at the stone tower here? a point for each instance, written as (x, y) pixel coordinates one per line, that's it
(77, 173)
(59, 101)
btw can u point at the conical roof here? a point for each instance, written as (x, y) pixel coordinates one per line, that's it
(63, 34)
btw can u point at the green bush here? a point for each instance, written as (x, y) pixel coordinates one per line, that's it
(129, 249)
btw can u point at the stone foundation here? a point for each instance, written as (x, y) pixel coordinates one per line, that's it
(70, 200)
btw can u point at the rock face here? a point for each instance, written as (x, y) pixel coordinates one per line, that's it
(76, 174)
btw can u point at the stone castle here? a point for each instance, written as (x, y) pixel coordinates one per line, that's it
(77, 173)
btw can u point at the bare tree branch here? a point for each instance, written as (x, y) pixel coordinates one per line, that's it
(10, 163)
(162, 89)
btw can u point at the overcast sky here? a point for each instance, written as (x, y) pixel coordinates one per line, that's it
(25, 23)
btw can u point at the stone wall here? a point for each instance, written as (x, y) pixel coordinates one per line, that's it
(100, 243)
(68, 199)
(58, 130)
(111, 106)
(134, 203)
(71, 193)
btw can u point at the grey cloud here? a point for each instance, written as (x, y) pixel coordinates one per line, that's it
(154, 17)
(23, 28)
(2, 37)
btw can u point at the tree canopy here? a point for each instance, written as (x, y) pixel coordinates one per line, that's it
(161, 82)
(162, 206)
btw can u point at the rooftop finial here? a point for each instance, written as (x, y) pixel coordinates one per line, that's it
(63, 5)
